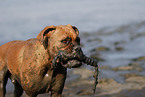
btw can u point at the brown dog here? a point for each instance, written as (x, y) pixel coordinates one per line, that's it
(29, 63)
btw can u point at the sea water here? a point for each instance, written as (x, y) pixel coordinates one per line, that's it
(25, 19)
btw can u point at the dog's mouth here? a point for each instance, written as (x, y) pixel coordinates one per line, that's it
(71, 63)
(71, 60)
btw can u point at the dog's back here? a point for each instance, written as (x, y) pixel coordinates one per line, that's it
(8, 47)
(8, 50)
(12, 53)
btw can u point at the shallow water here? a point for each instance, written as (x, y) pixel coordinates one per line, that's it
(130, 38)
(25, 19)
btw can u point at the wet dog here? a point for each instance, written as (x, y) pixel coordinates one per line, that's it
(29, 63)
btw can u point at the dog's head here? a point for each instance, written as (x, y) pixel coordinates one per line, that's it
(62, 38)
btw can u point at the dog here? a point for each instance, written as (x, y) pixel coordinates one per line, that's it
(29, 63)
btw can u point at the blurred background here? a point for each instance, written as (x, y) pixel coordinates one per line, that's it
(112, 31)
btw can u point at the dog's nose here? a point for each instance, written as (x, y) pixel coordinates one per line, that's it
(77, 48)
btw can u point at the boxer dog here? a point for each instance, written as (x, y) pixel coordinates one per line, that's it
(34, 65)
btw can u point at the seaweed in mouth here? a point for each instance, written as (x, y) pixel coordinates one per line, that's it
(64, 59)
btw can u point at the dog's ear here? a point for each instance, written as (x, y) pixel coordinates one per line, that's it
(45, 34)
(76, 30)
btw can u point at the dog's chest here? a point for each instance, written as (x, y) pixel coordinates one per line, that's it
(36, 82)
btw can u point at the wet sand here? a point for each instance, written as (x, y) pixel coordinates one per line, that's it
(121, 57)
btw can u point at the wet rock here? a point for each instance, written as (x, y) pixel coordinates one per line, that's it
(104, 82)
(97, 57)
(109, 86)
(95, 40)
(139, 59)
(134, 64)
(139, 79)
(85, 92)
(123, 28)
(101, 48)
(119, 42)
(136, 82)
(127, 68)
(130, 75)
(105, 67)
(79, 82)
(123, 68)
(119, 48)
(83, 72)
(128, 93)
(137, 35)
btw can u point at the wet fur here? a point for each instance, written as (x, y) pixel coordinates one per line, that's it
(29, 63)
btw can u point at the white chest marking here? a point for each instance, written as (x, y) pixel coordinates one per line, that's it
(46, 75)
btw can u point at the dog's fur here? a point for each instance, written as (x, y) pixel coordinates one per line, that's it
(29, 63)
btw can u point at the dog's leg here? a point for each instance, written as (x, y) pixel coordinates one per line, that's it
(56, 94)
(31, 95)
(3, 79)
(18, 89)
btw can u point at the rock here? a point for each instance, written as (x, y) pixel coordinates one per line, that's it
(137, 35)
(119, 42)
(134, 64)
(84, 72)
(136, 82)
(119, 48)
(85, 92)
(109, 86)
(138, 79)
(81, 82)
(94, 40)
(101, 48)
(105, 67)
(123, 68)
(139, 59)
(129, 93)
(127, 68)
(97, 57)
(130, 75)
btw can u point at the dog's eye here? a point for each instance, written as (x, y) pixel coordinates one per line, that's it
(66, 41)
(78, 40)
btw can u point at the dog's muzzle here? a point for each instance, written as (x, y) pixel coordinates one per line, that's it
(75, 59)
(72, 60)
